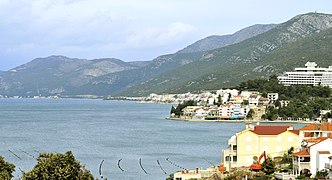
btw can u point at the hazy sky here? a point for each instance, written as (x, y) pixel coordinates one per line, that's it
(129, 29)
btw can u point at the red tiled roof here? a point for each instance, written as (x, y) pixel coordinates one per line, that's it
(303, 153)
(263, 99)
(319, 139)
(308, 134)
(269, 130)
(316, 140)
(324, 127)
(226, 105)
(297, 132)
(323, 152)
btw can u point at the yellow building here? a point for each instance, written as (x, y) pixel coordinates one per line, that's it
(253, 141)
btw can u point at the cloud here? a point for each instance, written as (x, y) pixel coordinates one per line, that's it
(116, 28)
(154, 36)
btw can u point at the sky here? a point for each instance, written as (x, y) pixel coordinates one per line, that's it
(130, 30)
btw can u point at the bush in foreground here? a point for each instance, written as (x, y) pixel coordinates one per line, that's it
(58, 166)
(6, 169)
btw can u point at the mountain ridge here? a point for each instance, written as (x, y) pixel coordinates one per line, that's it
(179, 72)
(217, 67)
(217, 41)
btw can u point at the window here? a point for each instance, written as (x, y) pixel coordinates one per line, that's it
(227, 158)
(248, 138)
(290, 139)
(234, 158)
(278, 149)
(248, 148)
(279, 139)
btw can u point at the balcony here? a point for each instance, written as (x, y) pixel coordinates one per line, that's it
(328, 166)
(232, 140)
(227, 152)
(302, 165)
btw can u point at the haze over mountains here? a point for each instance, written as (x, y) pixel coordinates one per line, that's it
(211, 63)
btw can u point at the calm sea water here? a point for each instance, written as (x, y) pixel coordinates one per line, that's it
(96, 130)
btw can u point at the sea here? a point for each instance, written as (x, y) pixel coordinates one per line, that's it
(120, 140)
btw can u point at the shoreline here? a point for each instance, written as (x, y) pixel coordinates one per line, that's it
(241, 121)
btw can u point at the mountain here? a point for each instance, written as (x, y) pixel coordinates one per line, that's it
(58, 74)
(115, 83)
(215, 42)
(303, 38)
(212, 63)
(69, 76)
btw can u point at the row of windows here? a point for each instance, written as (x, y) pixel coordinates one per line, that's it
(266, 139)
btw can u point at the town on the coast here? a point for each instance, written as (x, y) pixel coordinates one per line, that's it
(265, 151)
(276, 103)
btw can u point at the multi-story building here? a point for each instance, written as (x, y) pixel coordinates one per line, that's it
(314, 131)
(273, 96)
(231, 111)
(251, 142)
(314, 158)
(310, 75)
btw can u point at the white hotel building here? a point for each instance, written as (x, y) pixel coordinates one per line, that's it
(310, 75)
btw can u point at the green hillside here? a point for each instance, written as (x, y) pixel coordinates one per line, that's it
(304, 38)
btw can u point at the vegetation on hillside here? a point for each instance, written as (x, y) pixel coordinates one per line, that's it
(273, 52)
(178, 110)
(304, 101)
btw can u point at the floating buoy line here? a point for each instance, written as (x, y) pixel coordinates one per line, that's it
(118, 163)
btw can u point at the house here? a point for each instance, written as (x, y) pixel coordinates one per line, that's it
(200, 114)
(225, 111)
(252, 141)
(313, 131)
(313, 158)
(231, 111)
(190, 111)
(253, 100)
(236, 100)
(263, 101)
(273, 96)
(284, 103)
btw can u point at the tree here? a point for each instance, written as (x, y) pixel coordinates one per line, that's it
(6, 169)
(322, 174)
(170, 177)
(251, 113)
(268, 166)
(58, 166)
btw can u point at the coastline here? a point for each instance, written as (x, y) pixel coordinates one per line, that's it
(241, 121)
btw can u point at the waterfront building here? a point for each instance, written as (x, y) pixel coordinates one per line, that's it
(232, 111)
(190, 111)
(252, 141)
(309, 75)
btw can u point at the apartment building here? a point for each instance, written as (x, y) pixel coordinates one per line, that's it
(309, 75)
(244, 145)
